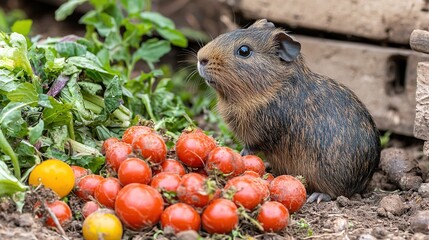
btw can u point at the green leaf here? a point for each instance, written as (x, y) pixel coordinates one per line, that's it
(22, 26)
(59, 114)
(174, 36)
(26, 93)
(60, 136)
(92, 163)
(152, 50)
(91, 88)
(69, 49)
(67, 9)
(8, 183)
(100, 4)
(113, 39)
(101, 21)
(113, 95)
(134, 6)
(35, 132)
(85, 63)
(11, 120)
(13, 53)
(157, 19)
(43, 101)
(7, 81)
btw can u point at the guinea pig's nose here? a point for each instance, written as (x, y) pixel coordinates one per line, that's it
(204, 61)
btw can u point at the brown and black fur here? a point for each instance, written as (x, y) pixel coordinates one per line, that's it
(304, 123)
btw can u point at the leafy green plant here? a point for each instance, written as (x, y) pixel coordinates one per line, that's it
(129, 40)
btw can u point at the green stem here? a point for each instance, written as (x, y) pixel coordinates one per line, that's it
(6, 148)
(83, 149)
(70, 127)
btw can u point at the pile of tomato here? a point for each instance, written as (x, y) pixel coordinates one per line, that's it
(199, 186)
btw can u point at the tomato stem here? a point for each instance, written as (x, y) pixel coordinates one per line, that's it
(242, 212)
(6, 148)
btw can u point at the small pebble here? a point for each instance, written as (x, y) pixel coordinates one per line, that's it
(340, 225)
(419, 236)
(393, 204)
(420, 222)
(410, 182)
(188, 235)
(424, 190)
(367, 237)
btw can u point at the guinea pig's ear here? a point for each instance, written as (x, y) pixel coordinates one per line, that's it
(289, 48)
(262, 23)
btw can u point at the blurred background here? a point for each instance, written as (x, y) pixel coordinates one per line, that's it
(361, 43)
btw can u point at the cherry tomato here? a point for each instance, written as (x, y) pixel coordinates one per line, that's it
(102, 225)
(254, 163)
(166, 181)
(61, 211)
(89, 207)
(193, 147)
(86, 186)
(181, 217)
(273, 216)
(194, 190)
(220, 216)
(55, 175)
(79, 172)
(108, 143)
(225, 161)
(117, 153)
(105, 193)
(289, 191)
(134, 170)
(150, 146)
(247, 191)
(251, 174)
(173, 166)
(132, 132)
(139, 206)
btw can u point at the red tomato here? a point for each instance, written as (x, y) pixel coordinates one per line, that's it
(173, 166)
(247, 191)
(193, 147)
(105, 193)
(78, 173)
(134, 170)
(166, 181)
(108, 143)
(251, 174)
(132, 132)
(89, 207)
(220, 216)
(289, 191)
(139, 206)
(181, 217)
(254, 163)
(117, 153)
(273, 216)
(194, 190)
(86, 186)
(61, 211)
(225, 161)
(150, 146)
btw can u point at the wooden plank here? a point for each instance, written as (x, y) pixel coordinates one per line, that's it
(383, 78)
(382, 20)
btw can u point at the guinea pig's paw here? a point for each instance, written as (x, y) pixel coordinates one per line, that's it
(319, 197)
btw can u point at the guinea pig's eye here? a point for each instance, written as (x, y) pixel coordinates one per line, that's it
(244, 51)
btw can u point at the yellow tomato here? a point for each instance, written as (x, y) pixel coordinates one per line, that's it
(54, 174)
(102, 225)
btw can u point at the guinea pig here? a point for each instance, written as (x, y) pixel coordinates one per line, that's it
(303, 122)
